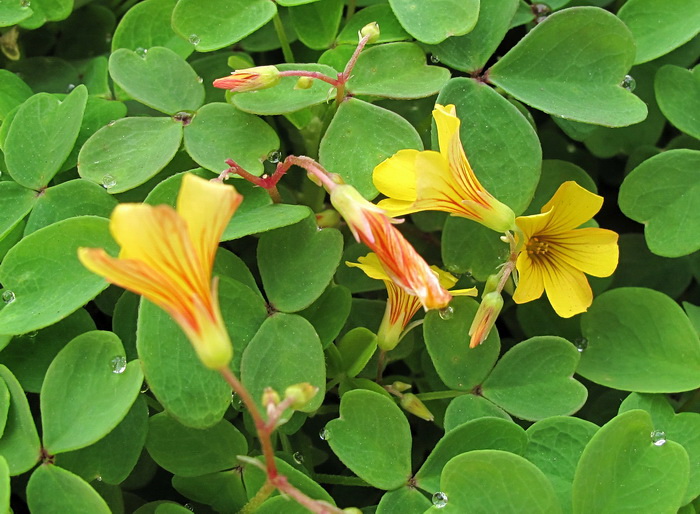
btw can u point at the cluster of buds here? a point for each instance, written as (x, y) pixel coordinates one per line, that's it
(295, 397)
(409, 401)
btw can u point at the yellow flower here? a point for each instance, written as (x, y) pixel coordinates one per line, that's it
(419, 181)
(556, 253)
(167, 256)
(400, 306)
(398, 258)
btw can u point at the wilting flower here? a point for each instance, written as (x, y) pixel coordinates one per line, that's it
(398, 258)
(441, 181)
(556, 253)
(250, 79)
(167, 256)
(400, 306)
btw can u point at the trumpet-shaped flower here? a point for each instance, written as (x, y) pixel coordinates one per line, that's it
(400, 261)
(400, 306)
(442, 181)
(167, 256)
(250, 79)
(556, 253)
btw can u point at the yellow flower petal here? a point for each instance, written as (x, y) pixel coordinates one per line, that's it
(371, 266)
(531, 281)
(447, 124)
(206, 207)
(533, 224)
(567, 289)
(591, 250)
(472, 291)
(396, 207)
(436, 185)
(571, 207)
(396, 176)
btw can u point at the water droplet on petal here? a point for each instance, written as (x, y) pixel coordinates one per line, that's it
(8, 296)
(440, 500)
(434, 59)
(447, 313)
(141, 52)
(108, 181)
(70, 88)
(274, 157)
(581, 343)
(194, 39)
(629, 83)
(118, 364)
(658, 438)
(298, 458)
(324, 434)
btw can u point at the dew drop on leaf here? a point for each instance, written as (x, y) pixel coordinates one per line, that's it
(141, 52)
(628, 83)
(194, 39)
(581, 344)
(274, 157)
(447, 313)
(108, 181)
(324, 434)
(434, 59)
(658, 437)
(236, 401)
(118, 364)
(70, 88)
(8, 296)
(200, 80)
(440, 500)
(298, 457)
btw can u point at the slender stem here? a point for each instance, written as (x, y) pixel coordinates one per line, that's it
(282, 36)
(440, 395)
(351, 9)
(311, 74)
(314, 168)
(345, 75)
(263, 494)
(316, 506)
(381, 361)
(322, 478)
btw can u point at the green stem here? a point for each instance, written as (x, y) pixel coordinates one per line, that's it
(351, 9)
(322, 478)
(440, 395)
(282, 35)
(263, 494)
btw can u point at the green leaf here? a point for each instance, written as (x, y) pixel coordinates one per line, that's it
(147, 24)
(494, 481)
(662, 193)
(12, 13)
(329, 312)
(659, 27)
(541, 72)
(471, 51)
(471, 248)
(469, 407)
(317, 23)
(554, 174)
(678, 94)
(190, 452)
(431, 23)
(533, 380)
(30, 355)
(378, 132)
(219, 131)
(639, 340)
(447, 341)
(68, 200)
(4, 406)
(622, 470)
(14, 90)
(501, 145)
(283, 98)
(224, 491)
(49, 256)
(112, 458)
(254, 478)
(290, 3)
(56, 124)
(356, 349)
(51, 489)
(555, 445)
(396, 70)
(284, 352)
(87, 391)
(403, 500)
(221, 23)
(298, 250)
(372, 438)
(15, 202)
(19, 444)
(5, 491)
(128, 152)
(192, 394)
(390, 28)
(479, 434)
(160, 79)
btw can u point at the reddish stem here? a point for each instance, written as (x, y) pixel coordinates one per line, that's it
(311, 74)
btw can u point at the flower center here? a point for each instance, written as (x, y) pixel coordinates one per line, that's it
(537, 247)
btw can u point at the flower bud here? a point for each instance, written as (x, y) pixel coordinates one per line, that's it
(300, 394)
(328, 218)
(401, 386)
(412, 404)
(304, 83)
(491, 284)
(371, 30)
(490, 308)
(250, 79)
(270, 397)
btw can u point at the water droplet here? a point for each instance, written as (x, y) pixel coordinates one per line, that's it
(447, 313)
(298, 458)
(141, 52)
(8, 296)
(111, 123)
(440, 500)
(629, 83)
(144, 388)
(118, 364)
(274, 157)
(70, 88)
(24, 4)
(581, 343)
(189, 506)
(200, 80)
(324, 434)
(32, 334)
(236, 401)
(98, 478)
(434, 59)
(194, 39)
(108, 182)
(658, 437)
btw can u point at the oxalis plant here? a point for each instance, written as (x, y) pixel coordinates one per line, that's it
(340, 256)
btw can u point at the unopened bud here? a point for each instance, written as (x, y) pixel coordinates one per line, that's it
(270, 397)
(491, 284)
(401, 386)
(328, 218)
(352, 510)
(300, 394)
(304, 83)
(490, 308)
(371, 30)
(250, 79)
(411, 403)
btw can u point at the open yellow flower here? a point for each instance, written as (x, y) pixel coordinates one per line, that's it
(167, 256)
(556, 253)
(400, 306)
(441, 181)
